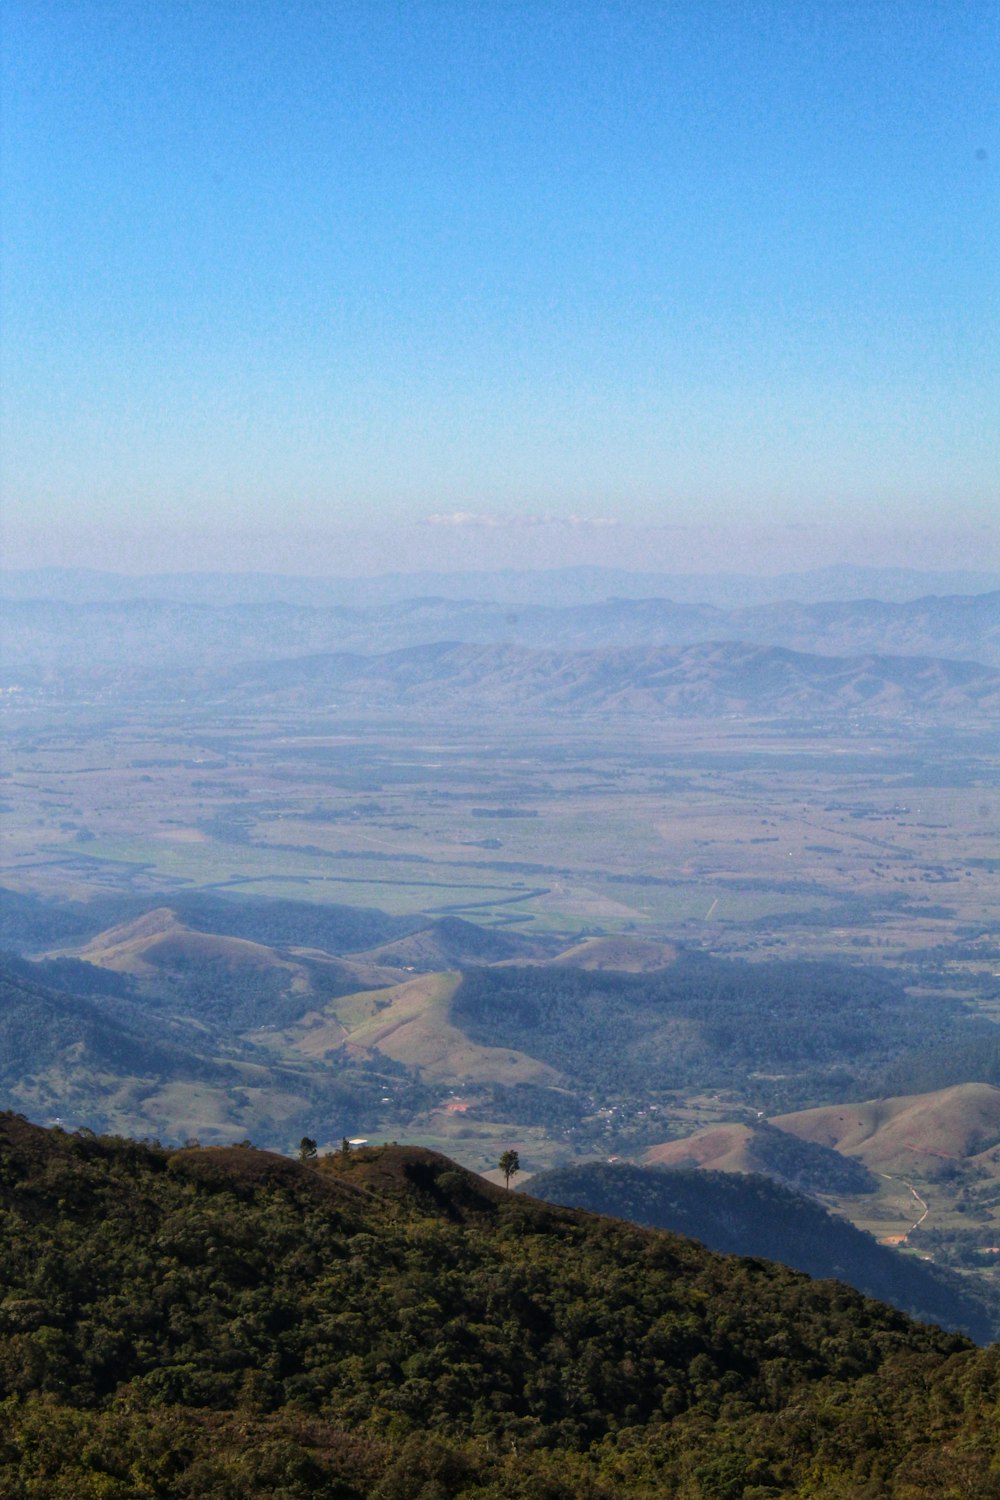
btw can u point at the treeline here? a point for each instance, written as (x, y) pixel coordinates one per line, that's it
(923, 1072)
(302, 924)
(70, 975)
(30, 923)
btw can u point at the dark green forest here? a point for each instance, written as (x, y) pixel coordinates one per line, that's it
(833, 1029)
(753, 1215)
(807, 1165)
(382, 1325)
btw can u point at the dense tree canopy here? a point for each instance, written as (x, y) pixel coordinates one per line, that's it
(229, 1323)
(707, 1022)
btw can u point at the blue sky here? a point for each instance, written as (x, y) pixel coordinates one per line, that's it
(336, 287)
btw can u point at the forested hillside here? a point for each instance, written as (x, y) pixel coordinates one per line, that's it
(751, 1215)
(705, 1021)
(224, 1322)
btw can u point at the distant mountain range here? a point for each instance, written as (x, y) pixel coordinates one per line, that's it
(42, 638)
(618, 657)
(557, 586)
(710, 679)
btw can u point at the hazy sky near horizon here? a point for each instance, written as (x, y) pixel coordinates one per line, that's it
(339, 287)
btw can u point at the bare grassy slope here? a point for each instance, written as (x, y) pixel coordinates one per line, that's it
(902, 1134)
(158, 941)
(888, 1135)
(623, 955)
(722, 1148)
(410, 1023)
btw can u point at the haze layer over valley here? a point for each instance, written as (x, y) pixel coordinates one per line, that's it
(587, 877)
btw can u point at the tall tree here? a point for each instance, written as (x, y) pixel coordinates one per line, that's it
(509, 1163)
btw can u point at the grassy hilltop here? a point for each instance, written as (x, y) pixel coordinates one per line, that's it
(224, 1322)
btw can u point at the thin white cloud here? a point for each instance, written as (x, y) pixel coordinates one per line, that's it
(515, 522)
(462, 518)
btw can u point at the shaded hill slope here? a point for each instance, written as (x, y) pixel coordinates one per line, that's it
(752, 1215)
(30, 923)
(335, 928)
(69, 1036)
(452, 942)
(810, 1166)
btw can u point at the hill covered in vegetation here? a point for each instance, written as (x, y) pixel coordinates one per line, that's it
(772, 1033)
(752, 1215)
(224, 1322)
(806, 1165)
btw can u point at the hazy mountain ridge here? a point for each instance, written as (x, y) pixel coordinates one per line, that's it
(706, 679)
(43, 636)
(540, 586)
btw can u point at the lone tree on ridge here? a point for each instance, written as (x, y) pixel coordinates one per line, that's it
(509, 1163)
